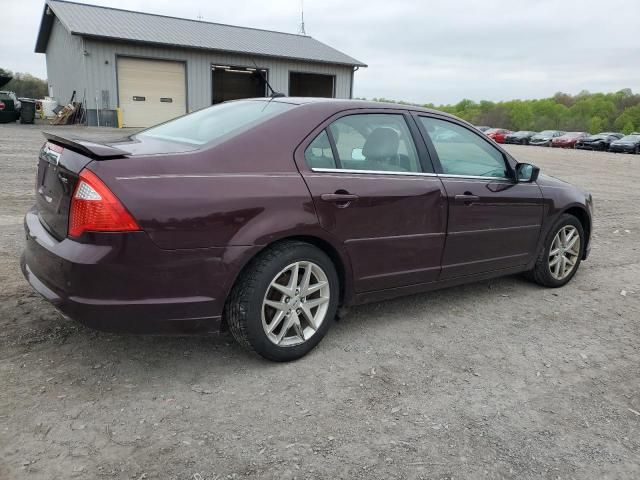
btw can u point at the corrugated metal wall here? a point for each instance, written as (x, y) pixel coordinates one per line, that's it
(101, 70)
(65, 72)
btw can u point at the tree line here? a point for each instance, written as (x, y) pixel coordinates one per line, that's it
(588, 112)
(25, 84)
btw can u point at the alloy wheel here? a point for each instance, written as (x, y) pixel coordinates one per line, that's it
(564, 252)
(295, 304)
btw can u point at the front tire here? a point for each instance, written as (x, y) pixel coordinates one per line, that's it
(284, 301)
(561, 254)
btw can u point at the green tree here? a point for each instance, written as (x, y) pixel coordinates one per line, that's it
(596, 124)
(593, 112)
(25, 84)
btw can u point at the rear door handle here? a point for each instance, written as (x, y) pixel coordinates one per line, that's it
(467, 199)
(342, 200)
(338, 197)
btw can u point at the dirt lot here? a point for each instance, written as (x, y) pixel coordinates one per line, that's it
(500, 379)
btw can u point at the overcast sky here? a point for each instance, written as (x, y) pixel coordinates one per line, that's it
(419, 51)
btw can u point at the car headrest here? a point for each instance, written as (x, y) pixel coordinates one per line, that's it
(381, 143)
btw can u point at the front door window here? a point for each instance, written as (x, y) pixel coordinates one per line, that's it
(462, 152)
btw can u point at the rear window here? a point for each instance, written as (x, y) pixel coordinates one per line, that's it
(212, 123)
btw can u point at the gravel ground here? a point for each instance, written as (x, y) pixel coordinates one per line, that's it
(499, 379)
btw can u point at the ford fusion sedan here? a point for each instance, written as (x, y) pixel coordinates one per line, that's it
(521, 137)
(627, 144)
(544, 138)
(600, 141)
(497, 134)
(568, 140)
(265, 216)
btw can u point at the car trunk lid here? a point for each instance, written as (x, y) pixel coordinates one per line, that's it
(58, 169)
(59, 163)
(61, 160)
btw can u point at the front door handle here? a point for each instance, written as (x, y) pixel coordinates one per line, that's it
(342, 200)
(467, 199)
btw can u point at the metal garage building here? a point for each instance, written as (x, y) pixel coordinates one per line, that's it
(155, 67)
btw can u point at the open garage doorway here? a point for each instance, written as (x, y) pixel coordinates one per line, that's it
(311, 85)
(234, 83)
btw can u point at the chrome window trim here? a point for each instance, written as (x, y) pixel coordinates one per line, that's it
(374, 172)
(480, 177)
(411, 174)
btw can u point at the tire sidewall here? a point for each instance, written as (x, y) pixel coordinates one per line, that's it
(563, 221)
(255, 331)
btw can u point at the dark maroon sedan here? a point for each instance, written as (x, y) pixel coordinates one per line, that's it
(264, 216)
(568, 140)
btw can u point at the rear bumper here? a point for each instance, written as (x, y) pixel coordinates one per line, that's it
(123, 282)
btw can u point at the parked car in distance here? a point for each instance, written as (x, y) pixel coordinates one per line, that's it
(9, 107)
(568, 140)
(627, 144)
(544, 138)
(497, 134)
(599, 141)
(205, 223)
(522, 137)
(482, 128)
(5, 94)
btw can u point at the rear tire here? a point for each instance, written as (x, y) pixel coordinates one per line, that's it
(268, 310)
(555, 268)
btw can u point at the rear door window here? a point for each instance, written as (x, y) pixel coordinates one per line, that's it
(319, 154)
(375, 142)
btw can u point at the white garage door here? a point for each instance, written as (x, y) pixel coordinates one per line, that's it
(150, 91)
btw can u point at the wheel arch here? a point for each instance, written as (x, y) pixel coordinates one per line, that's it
(585, 220)
(338, 258)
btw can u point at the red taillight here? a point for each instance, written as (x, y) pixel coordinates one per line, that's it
(2, 105)
(94, 208)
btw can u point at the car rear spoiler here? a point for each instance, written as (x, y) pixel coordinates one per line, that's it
(96, 151)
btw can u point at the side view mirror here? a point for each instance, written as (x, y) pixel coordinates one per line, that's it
(356, 154)
(526, 173)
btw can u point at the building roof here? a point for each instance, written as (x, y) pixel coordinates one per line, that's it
(123, 25)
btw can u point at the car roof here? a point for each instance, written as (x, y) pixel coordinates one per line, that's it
(346, 104)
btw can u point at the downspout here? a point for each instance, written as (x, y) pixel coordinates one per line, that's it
(86, 81)
(353, 70)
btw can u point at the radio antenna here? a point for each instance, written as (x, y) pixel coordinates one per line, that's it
(261, 74)
(301, 30)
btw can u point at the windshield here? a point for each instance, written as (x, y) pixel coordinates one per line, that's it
(630, 138)
(546, 133)
(211, 123)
